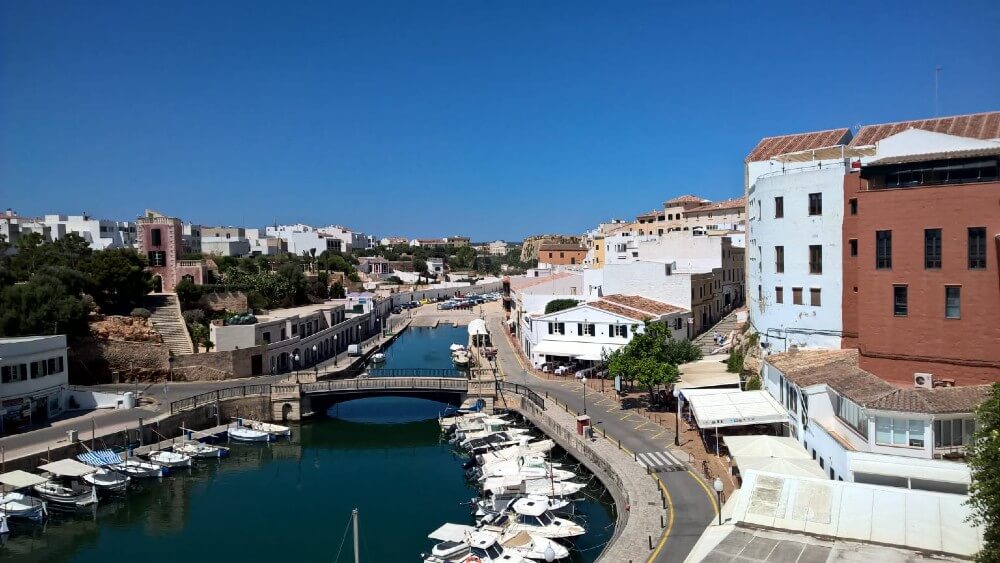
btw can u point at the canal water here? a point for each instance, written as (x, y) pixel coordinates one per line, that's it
(292, 500)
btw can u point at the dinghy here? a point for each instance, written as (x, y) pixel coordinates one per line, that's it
(141, 469)
(275, 430)
(244, 434)
(170, 459)
(107, 480)
(201, 450)
(15, 502)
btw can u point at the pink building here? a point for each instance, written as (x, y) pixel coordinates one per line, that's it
(160, 239)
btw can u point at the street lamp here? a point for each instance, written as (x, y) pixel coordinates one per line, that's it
(717, 485)
(335, 350)
(677, 419)
(295, 360)
(584, 381)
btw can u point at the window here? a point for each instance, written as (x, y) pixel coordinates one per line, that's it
(952, 302)
(266, 336)
(157, 258)
(779, 207)
(779, 259)
(900, 304)
(853, 245)
(977, 248)
(814, 293)
(779, 295)
(853, 205)
(932, 248)
(678, 323)
(155, 237)
(797, 295)
(586, 329)
(815, 259)
(899, 432)
(815, 204)
(760, 293)
(851, 414)
(953, 433)
(557, 328)
(619, 330)
(295, 329)
(883, 249)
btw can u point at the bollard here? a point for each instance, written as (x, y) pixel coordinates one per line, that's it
(619, 443)
(635, 456)
(662, 523)
(650, 542)
(664, 499)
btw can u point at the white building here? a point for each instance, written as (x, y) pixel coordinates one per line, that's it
(33, 379)
(191, 238)
(263, 245)
(592, 330)
(861, 428)
(302, 238)
(99, 233)
(435, 265)
(350, 241)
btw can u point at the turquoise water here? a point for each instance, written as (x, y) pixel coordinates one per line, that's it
(291, 500)
(421, 347)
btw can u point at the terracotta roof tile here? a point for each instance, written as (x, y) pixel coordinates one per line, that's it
(734, 203)
(966, 153)
(839, 370)
(685, 199)
(769, 147)
(619, 310)
(644, 304)
(976, 125)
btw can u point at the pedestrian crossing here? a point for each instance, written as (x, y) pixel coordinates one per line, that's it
(660, 461)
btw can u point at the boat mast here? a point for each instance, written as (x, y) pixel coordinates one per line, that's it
(354, 517)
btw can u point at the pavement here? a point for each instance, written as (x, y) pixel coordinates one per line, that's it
(692, 500)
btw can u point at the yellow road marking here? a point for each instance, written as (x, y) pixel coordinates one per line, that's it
(711, 496)
(670, 520)
(641, 425)
(660, 433)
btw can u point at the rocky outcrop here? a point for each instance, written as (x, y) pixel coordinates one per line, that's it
(127, 329)
(529, 248)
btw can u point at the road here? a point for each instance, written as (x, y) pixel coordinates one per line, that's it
(693, 502)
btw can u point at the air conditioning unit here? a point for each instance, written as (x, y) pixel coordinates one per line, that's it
(925, 380)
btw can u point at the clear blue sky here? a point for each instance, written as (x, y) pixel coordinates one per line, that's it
(491, 119)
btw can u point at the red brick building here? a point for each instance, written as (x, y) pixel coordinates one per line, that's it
(921, 238)
(159, 239)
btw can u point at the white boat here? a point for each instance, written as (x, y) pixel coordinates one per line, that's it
(201, 450)
(244, 434)
(456, 347)
(378, 358)
(497, 504)
(533, 546)
(514, 433)
(16, 504)
(512, 452)
(276, 430)
(450, 423)
(65, 494)
(464, 544)
(461, 359)
(526, 468)
(512, 486)
(141, 469)
(534, 517)
(170, 459)
(492, 442)
(107, 480)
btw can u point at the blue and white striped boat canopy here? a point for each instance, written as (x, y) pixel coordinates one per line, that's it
(100, 458)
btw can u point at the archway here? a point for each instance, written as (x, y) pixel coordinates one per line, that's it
(286, 411)
(157, 284)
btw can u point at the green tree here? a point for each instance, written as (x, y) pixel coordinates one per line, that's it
(188, 294)
(646, 358)
(337, 291)
(984, 461)
(464, 257)
(557, 305)
(41, 306)
(120, 279)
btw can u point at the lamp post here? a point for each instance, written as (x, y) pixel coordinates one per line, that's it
(717, 485)
(677, 419)
(315, 359)
(335, 350)
(295, 360)
(584, 381)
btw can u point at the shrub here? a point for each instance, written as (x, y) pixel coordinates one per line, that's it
(753, 384)
(194, 316)
(140, 312)
(735, 362)
(557, 305)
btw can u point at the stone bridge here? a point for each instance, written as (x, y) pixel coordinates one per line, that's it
(295, 401)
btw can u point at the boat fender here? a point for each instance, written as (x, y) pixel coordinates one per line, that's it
(473, 559)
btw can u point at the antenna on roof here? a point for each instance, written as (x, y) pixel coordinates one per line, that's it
(937, 79)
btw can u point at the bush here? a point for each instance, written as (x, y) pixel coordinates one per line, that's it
(735, 362)
(393, 279)
(557, 305)
(140, 312)
(194, 316)
(753, 384)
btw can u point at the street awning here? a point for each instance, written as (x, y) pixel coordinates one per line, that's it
(783, 466)
(21, 479)
(477, 327)
(765, 446)
(582, 350)
(68, 468)
(707, 372)
(719, 410)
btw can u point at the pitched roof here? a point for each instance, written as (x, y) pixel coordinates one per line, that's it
(618, 310)
(769, 147)
(652, 213)
(976, 125)
(685, 199)
(644, 304)
(734, 203)
(947, 155)
(839, 370)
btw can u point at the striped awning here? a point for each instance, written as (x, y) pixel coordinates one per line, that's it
(99, 458)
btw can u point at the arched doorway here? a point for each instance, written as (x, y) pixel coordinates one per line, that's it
(157, 284)
(286, 410)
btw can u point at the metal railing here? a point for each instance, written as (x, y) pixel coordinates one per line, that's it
(388, 384)
(196, 401)
(523, 390)
(416, 372)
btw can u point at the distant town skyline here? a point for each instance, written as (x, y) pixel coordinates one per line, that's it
(494, 121)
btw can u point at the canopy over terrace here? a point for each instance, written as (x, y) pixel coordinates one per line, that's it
(732, 407)
(590, 351)
(68, 468)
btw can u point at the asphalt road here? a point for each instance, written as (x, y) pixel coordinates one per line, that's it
(693, 505)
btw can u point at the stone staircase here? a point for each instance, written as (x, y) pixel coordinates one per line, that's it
(705, 340)
(167, 320)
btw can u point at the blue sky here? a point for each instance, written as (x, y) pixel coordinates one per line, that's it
(491, 119)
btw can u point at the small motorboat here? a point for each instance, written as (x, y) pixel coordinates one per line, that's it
(16, 504)
(456, 347)
(169, 459)
(516, 485)
(378, 358)
(141, 469)
(107, 480)
(464, 544)
(533, 546)
(461, 359)
(533, 516)
(201, 450)
(64, 494)
(275, 430)
(245, 434)
(493, 504)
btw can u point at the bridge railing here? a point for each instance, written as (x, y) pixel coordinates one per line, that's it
(388, 383)
(523, 390)
(196, 401)
(416, 372)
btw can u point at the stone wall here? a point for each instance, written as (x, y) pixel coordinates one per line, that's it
(214, 366)
(93, 360)
(232, 301)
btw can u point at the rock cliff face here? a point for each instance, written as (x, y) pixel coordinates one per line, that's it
(529, 248)
(128, 329)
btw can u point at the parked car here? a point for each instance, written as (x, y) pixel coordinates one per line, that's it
(397, 310)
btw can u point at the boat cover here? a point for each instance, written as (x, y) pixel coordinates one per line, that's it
(100, 457)
(67, 468)
(452, 532)
(21, 479)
